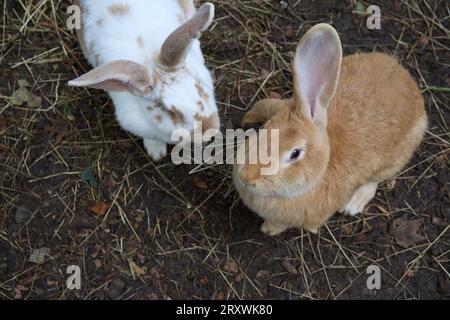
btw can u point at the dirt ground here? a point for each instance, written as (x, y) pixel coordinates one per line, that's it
(171, 232)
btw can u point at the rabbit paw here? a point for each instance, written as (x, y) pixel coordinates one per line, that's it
(156, 149)
(360, 199)
(272, 229)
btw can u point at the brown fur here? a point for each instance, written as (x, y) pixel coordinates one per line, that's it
(210, 122)
(201, 106)
(176, 46)
(202, 93)
(375, 122)
(176, 115)
(133, 78)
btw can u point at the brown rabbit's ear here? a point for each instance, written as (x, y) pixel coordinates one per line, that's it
(176, 47)
(116, 76)
(317, 67)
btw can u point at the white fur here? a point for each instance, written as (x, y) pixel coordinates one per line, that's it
(115, 38)
(360, 199)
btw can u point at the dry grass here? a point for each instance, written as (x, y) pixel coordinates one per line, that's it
(171, 234)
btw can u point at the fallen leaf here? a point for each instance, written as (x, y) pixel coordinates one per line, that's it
(23, 95)
(231, 266)
(347, 229)
(88, 176)
(262, 274)
(406, 232)
(199, 183)
(289, 267)
(100, 208)
(22, 83)
(360, 8)
(274, 95)
(18, 291)
(423, 40)
(136, 271)
(38, 255)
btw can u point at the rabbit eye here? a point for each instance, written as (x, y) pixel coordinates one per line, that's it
(296, 154)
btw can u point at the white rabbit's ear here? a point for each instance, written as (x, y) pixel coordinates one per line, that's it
(317, 67)
(116, 76)
(177, 45)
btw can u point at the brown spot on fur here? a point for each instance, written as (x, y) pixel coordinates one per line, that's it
(201, 92)
(119, 9)
(175, 115)
(140, 41)
(167, 69)
(158, 118)
(208, 122)
(201, 105)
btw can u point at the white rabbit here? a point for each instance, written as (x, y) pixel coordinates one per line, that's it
(147, 55)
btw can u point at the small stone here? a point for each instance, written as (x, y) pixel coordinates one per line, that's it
(21, 216)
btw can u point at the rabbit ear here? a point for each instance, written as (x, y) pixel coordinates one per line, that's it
(317, 68)
(120, 75)
(177, 45)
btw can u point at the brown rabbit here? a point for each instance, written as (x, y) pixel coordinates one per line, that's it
(352, 123)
